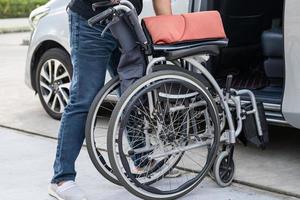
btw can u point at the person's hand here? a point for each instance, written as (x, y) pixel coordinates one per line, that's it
(162, 7)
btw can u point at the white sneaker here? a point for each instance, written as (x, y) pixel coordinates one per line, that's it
(142, 170)
(67, 191)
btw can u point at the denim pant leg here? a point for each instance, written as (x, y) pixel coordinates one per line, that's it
(91, 56)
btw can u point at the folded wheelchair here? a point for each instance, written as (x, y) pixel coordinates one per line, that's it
(173, 116)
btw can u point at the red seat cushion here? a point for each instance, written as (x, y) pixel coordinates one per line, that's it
(168, 29)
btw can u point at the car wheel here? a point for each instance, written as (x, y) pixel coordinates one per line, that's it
(53, 80)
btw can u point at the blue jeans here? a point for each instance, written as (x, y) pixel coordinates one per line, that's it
(91, 56)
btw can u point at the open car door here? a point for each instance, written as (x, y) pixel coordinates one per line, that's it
(291, 99)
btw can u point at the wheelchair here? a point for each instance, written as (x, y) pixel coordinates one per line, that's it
(175, 117)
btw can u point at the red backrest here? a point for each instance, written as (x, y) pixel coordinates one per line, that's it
(168, 29)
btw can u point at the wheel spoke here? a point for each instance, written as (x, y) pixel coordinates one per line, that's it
(45, 75)
(61, 103)
(48, 97)
(50, 72)
(57, 64)
(223, 174)
(44, 85)
(62, 76)
(65, 85)
(64, 94)
(54, 102)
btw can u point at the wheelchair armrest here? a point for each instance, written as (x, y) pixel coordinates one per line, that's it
(191, 48)
(209, 49)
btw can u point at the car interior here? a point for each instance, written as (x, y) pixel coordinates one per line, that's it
(255, 53)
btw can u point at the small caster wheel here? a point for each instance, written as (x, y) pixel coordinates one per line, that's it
(224, 169)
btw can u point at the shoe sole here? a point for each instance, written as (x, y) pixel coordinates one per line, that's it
(52, 193)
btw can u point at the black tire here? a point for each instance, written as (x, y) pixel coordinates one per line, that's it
(224, 169)
(102, 165)
(64, 58)
(124, 179)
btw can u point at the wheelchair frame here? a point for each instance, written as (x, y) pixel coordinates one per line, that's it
(228, 98)
(231, 98)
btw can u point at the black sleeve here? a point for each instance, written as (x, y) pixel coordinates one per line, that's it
(138, 4)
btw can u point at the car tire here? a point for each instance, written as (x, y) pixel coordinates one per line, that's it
(53, 80)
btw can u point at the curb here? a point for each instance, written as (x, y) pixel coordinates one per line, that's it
(15, 29)
(235, 181)
(266, 188)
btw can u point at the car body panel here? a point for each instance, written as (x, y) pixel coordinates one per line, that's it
(291, 99)
(54, 27)
(56, 32)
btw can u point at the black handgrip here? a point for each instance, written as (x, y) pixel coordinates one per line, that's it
(229, 82)
(100, 17)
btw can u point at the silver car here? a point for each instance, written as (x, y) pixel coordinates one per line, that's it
(48, 66)
(264, 43)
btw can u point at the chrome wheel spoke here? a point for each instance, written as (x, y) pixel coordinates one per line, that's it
(64, 95)
(45, 86)
(65, 85)
(50, 70)
(62, 76)
(61, 103)
(54, 103)
(48, 97)
(45, 75)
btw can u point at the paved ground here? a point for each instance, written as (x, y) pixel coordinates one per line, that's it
(276, 168)
(25, 170)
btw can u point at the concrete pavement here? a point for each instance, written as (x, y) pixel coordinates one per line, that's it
(277, 168)
(26, 167)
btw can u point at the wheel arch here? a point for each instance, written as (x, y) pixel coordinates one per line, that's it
(39, 51)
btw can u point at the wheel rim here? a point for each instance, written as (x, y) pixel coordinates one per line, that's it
(55, 83)
(98, 148)
(226, 169)
(152, 191)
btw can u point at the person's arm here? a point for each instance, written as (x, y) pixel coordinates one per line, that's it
(162, 7)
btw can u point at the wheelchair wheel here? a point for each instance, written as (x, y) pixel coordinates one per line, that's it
(96, 133)
(166, 120)
(224, 169)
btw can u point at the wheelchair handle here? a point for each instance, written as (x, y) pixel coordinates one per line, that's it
(107, 13)
(100, 17)
(128, 9)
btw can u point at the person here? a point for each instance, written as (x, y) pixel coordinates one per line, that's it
(91, 56)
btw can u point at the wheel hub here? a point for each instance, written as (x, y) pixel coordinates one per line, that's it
(55, 86)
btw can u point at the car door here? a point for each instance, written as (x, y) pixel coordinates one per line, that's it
(291, 99)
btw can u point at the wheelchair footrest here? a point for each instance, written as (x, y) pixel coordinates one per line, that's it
(250, 132)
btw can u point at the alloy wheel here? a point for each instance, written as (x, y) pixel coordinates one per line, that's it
(55, 84)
